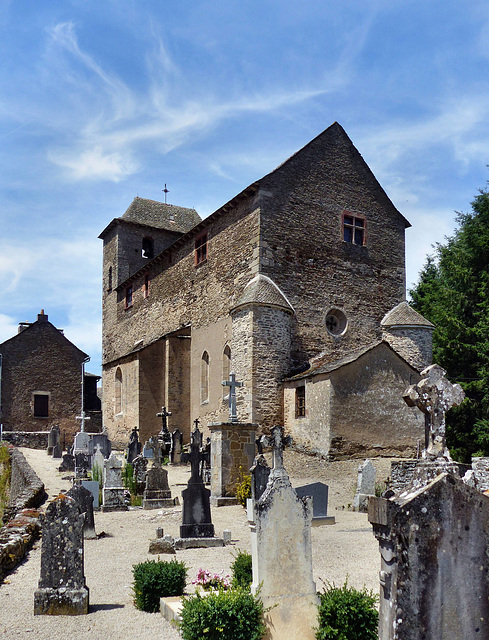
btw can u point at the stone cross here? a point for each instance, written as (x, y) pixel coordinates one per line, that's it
(195, 455)
(232, 384)
(164, 415)
(83, 418)
(278, 442)
(434, 395)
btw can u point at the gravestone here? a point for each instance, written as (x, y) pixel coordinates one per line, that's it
(100, 440)
(82, 465)
(157, 493)
(365, 486)
(260, 472)
(57, 452)
(434, 576)
(164, 437)
(93, 486)
(68, 463)
(84, 499)
(148, 450)
(98, 461)
(81, 443)
(196, 516)
(176, 447)
(134, 446)
(53, 438)
(113, 491)
(318, 491)
(62, 588)
(140, 466)
(280, 525)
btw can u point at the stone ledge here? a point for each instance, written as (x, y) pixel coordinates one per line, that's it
(221, 501)
(198, 543)
(170, 608)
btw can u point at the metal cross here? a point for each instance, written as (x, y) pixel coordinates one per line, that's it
(232, 384)
(164, 415)
(165, 191)
(83, 418)
(278, 442)
(434, 395)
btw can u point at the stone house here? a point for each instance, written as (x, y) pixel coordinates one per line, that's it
(304, 263)
(41, 373)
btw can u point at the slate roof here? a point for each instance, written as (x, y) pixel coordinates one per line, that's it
(263, 290)
(403, 315)
(161, 215)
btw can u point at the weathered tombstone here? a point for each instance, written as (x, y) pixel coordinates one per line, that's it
(93, 486)
(113, 491)
(81, 443)
(164, 437)
(260, 472)
(100, 440)
(53, 438)
(68, 463)
(157, 493)
(176, 447)
(365, 486)
(148, 450)
(84, 498)
(134, 446)
(283, 575)
(318, 491)
(57, 451)
(196, 516)
(434, 564)
(82, 465)
(62, 588)
(98, 461)
(140, 466)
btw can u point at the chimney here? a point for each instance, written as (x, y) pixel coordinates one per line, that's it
(42, 317)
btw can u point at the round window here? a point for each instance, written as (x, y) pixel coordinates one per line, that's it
(336, 322)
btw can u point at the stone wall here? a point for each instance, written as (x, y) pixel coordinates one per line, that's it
(29, 439)
(414, 344)
(232, 454)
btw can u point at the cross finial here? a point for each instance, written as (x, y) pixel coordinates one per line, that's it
(165, 191)
(164, 415)
(278, 442)
(232, 384)
(434, 395)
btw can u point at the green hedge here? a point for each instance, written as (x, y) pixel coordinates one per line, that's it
(154, 580)
(242, 570)
(346, 613)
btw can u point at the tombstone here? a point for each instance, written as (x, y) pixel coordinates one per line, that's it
(365, 486)
(53, 438)
(62, 588)
(260, 472)
(318, 491)
(68, 463)
(84, 499)
(148, 450)
(113, 491)
(134, 446)
(82, 465)
(280, 525)
(98, 461)
(94, 487)
(100, 440)
(434, 564)
(176, 447)
(164, 437)
(196, 516)
(57, 452)
(157, 493)
(140, 466)
(81, 443)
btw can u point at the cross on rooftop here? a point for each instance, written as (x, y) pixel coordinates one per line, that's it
(83, 418)
(165, 191)
(278, 442)
(232, 384)
(434, 395)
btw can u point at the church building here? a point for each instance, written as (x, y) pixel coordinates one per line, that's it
(297, 285)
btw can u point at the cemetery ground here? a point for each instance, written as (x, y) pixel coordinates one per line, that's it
(347, 549)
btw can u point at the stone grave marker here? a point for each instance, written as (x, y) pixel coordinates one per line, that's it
(57, 451)
(82, 465)
(93, 486)
(260, 472)
(113, 491)
(62, 588)
(68, 463)
(140, 466)
(98, 461)
(134, 446)
(164, 437)
(148, 450)
(81, 443)
(84, 498)
(176, 447)
(365, 486)
(318, 491)
(100, 440)
(53, 438)
(280, 525)
(157, 493)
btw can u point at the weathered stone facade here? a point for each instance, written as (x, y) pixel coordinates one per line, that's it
(257, 280)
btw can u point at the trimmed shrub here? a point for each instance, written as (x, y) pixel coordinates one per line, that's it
(223, 615)
(156, 579)
(346, 613)
(242, 570)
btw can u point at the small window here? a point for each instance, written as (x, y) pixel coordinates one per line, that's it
(201, 249)
(336, 322)
(109, 279)
(204, 378)
(41, 405)
(353, 228)
(300, 402)
(148, 248)
(129, 296)
(146, 285)
(118, 391)
(226, 369)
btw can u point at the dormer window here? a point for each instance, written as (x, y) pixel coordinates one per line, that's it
(148, 248)
(354, 227)
(201, 248)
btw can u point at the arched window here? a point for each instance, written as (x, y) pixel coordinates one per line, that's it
(118, 390)
(226, 368)
(204, 377)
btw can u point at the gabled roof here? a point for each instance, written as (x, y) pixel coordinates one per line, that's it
(325, 364)
(403, 315)
(262, 290)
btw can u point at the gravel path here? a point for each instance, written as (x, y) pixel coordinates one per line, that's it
(346, 549)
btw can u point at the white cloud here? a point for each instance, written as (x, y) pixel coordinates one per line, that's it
(95, 163)
(8, 327)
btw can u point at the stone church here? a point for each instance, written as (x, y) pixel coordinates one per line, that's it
(297, 285)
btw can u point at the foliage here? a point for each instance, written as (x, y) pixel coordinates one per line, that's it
(242, 570)
(129, 479)
(5, 472)
(453, 293)
(346, 613)
(222, 615)
(243, 488)
(154, 580)
(96, 473)
(209, 581)
(380, 487)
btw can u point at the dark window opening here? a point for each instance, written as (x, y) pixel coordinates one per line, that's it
(146, 285)
(109, 279)
(300, 402)
(148, 248)
(41, 405)
(129, 296)
(201, 249)
(354, 229)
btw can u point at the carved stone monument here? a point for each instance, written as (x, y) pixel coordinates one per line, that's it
(53, 438)
(157, 493)
(134, 446)
(113, 491)
(62, 588)
(365, 486)
(176, 447)
(84, 499)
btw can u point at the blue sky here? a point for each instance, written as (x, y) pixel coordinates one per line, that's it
(103, 101)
